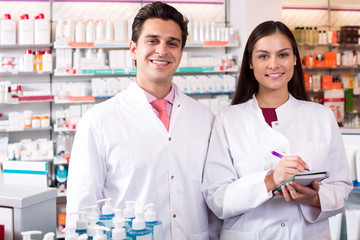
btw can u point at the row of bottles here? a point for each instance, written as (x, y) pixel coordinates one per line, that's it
(116, 224)
(29, 31)
(91, 31)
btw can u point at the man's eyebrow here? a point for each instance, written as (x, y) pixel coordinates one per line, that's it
(157, 36)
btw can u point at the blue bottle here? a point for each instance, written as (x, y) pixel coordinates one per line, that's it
(139, 230)
(152, 222)
(107, 214)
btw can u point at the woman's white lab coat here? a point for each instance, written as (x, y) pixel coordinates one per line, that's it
(123, 151)
(239, 158)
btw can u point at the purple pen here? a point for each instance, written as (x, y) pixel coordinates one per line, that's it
(281, 156)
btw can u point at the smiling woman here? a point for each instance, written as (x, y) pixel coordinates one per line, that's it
(270, 113)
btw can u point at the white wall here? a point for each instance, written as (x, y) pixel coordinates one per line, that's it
(245, 15)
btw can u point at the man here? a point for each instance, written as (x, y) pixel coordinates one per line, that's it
(131, 148)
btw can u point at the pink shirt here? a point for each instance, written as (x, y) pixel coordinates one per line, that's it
(170, 97)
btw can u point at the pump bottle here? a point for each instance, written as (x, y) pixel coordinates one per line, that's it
(27, 235)
(80, 31)
(119, 233)
(69, 31)
(107, 214)
(59, 32)
(49, 236)
(139, 230)
(90, 31)
(129, 213)
(152, 222)
(70, 233)
(100, 233)
(81, 223)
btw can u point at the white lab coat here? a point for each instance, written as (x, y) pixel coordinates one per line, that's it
(123, 151)
(239, 158)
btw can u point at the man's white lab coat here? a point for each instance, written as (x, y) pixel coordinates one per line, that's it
(123, 151)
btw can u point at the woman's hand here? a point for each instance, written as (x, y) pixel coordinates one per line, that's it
(287, 167)
(305, 195)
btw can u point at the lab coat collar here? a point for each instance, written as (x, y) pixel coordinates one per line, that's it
(137, 95)
(286, 106)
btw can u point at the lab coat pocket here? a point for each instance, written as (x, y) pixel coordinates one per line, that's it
(237, 235)
(196, 159)
(199, 236)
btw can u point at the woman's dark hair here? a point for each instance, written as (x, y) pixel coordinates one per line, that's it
(247, 84)
(162, 11)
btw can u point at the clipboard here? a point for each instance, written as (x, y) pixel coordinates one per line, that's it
(304, 179)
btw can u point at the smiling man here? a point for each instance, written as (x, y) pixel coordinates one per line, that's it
(148, 143)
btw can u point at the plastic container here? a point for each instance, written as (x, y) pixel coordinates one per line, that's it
(8, 31)
(25, 30)
(47, 61)
(42, 30)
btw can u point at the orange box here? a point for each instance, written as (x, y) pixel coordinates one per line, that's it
(61, 218)
(306, 80)
(337, 85)
(334, 37)
(327, 82)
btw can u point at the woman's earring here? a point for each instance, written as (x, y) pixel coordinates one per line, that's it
(251, 67)
(294, 63)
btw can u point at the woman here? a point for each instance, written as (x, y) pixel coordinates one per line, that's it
(270, 112)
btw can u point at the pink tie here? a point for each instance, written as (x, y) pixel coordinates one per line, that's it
(160, 105)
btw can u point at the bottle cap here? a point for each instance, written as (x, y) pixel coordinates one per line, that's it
(47, 52)
(49, 236)
(138, 223)
(82, 222)
(27, 235)
(7, 16)
(40, 16)
(107, 208)
(24, 17)
(28, 51)
(129, 210)
(149, 214)
(93, 211)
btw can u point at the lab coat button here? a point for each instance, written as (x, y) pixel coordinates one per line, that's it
(283, 151)
(169, 138)
(276, 124)
(283, 224)
(172, 177)
(174, 215)
(179, 105)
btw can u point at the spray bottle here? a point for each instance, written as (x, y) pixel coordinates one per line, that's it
(139, 230)
(107, 214)
(27, 235)
(119, 233)
(81, 224)
(152, 222)
(100, 233)
(49, 236)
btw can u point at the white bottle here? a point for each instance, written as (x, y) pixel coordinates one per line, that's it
(119, 233)
(100, 30)
(80, 31)
(60, 31)
(89, 53)
(107, 214)
(69, 31)
(152, 222)
(42, 30)
(26, 30)
(81, 223)
(49, 236)
(120, 30)
(47, 61)
(27, 235)
(101, 55)
(76, 58)
(8, 31)
(100, 233)
(70, 233)
(28, 61)
(91, 228)
(109, 31)
(90, 31)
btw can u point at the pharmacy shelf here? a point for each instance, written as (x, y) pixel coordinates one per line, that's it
(338, 68)
(350, 131)
(27, 130)
(26, 46)
(24, 73)
(64, 129)
(132, 71)
(126, 45)
(34, 101)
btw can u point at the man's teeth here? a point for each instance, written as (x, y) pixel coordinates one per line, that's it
(159, 62)
(275, 75)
